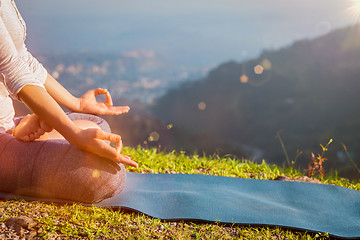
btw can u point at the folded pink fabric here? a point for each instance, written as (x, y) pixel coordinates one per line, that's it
(56, 169)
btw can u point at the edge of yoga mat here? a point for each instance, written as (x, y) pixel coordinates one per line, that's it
(296, 205)
(174, 197)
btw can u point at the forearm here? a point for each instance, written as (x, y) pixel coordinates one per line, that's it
(47, 109)
(61, 95)
(86, 103)
(90, 139)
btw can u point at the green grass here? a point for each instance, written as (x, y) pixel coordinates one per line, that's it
(77, 221)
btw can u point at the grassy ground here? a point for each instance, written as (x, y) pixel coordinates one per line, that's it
(51, 221)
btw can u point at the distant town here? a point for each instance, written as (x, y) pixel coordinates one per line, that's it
(136, 75)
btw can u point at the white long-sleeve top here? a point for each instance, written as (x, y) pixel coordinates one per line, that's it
(18, 67)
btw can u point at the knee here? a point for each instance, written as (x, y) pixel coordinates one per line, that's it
(102, 184)
(88, 178)
(96, 120)
(55, 169)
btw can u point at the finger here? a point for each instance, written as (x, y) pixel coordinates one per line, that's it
(117, 110)
(127, 161)
(122, 109)
(99, 91)
(118, 147)
(108, 101)
(99, 134)
(110, 153)
(89, 94)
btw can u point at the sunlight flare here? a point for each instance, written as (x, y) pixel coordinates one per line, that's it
(95, 173)
(266, 64)
(244, 78)
(154, 136)
(202, 106)
(354, 9)
(258, 69)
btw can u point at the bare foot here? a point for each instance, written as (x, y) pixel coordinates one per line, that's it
(31, 128)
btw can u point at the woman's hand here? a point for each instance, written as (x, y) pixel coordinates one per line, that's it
(85, 104)
(92, 140)
(89, 104)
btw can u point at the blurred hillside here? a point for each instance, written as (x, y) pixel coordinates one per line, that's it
(309, 90)
(138, 74)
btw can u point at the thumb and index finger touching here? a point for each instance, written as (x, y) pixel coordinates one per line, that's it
(115, 152)
(110, 136)
(99, 91)
(109, 103)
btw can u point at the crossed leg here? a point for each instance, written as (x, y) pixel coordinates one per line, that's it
(55, 169)
(31, 128)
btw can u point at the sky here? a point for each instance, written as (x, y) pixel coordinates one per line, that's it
(188, 32)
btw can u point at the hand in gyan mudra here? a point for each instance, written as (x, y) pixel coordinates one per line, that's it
(88, 138)
(89, 104)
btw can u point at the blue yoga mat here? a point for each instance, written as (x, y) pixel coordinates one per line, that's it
(296, 205)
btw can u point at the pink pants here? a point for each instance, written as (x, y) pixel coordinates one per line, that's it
(55, 169)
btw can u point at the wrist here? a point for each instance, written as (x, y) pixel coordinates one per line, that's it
(75, 105)
(72, 136)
